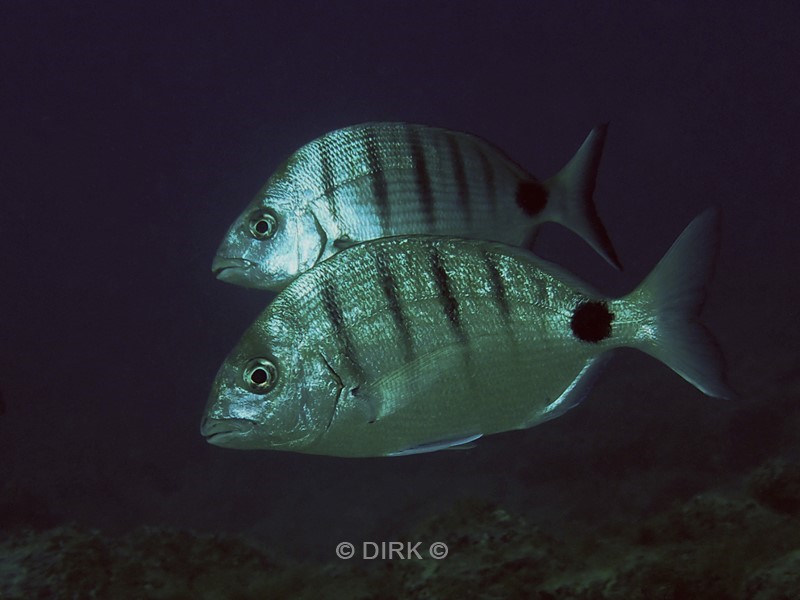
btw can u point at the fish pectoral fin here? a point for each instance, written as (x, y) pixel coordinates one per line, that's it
(449, 444)
(369, 400)
(396, 388)
(345, 241)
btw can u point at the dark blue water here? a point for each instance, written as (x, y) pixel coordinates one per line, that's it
(133, 135)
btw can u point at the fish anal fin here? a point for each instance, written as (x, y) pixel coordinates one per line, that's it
(575, 393)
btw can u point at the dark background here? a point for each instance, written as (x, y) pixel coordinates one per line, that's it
(132, 136)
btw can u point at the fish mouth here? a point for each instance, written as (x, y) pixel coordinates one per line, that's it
(227, 268)
(225, 432)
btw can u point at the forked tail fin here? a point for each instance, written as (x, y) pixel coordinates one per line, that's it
(672, 296)
(571, 191)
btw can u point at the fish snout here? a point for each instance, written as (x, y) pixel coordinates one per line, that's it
(221, 431)
(229, 269)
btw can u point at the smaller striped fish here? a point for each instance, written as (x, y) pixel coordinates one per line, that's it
(405, 345)
(378, 180)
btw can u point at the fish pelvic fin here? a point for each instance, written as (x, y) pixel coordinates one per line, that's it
(671, 298)
(571, 196)
(464, 443)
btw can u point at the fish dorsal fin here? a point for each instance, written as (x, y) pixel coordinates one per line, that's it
(450, 444)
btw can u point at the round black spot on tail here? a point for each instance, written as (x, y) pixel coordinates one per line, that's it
(531, 197)
(591, 321)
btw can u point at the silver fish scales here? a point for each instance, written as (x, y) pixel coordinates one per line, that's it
(377, 180)
(413, 344)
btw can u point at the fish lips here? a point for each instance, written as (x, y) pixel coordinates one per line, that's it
(232, 270)
(228, 433)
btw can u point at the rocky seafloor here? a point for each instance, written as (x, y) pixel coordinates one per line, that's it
(743, 542)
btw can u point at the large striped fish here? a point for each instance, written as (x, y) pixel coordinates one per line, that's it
(406, 345)
(382, 179)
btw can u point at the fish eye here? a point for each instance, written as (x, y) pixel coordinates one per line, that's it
(260, 375)
(263, 224)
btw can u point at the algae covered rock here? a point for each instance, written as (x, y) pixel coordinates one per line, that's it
(70, 562)
(777, 485)
(711, 546)
(777, 580)
(489, 552)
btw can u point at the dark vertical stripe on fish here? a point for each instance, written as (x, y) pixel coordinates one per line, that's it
(377, 176)
(461, 176)
(449, 302)
(389, 287)
(489, 179)
(326, 173)
(498, 285)
(423, 179)
(336, 320)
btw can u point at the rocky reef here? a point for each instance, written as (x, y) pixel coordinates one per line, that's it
(741, 543)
